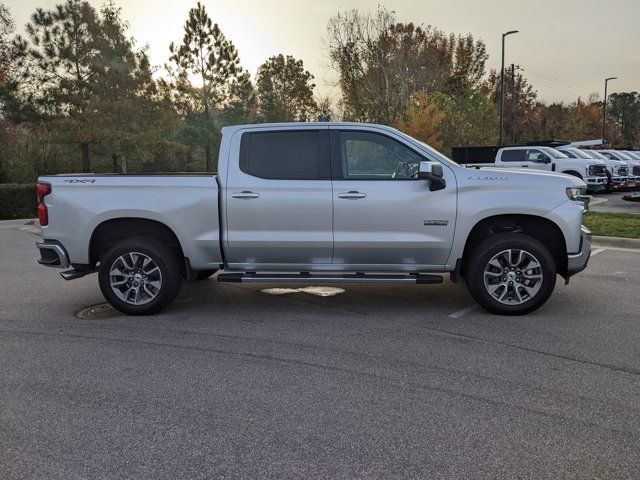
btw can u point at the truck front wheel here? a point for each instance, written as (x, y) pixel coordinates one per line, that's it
(510, 274)
(140, 276)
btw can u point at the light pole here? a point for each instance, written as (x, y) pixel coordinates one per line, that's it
(604, 109)
(502, 85)
(513, 101)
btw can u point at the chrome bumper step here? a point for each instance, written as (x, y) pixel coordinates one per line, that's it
(73, 274)
(331, 278)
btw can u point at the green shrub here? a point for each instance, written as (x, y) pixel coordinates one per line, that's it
(18, 201)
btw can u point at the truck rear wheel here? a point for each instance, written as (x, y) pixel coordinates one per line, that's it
(140, 276)
(510, 274)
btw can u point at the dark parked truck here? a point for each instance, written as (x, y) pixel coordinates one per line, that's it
(318, 202)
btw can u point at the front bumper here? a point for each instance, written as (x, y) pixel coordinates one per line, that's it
(52, 254)
(596, 184)
(577, 262)
(619, 182)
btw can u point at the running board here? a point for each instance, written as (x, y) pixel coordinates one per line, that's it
(73, 274)
(322, 278)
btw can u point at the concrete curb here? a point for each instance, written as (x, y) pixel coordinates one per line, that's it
(616, 242)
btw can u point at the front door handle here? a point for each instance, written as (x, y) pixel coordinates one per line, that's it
(245, 194)
(352, 195)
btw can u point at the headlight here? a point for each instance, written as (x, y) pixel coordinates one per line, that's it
(592, 170)
(574, 193)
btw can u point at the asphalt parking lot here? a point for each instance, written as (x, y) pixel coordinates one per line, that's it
(380, 381)
(613, 203)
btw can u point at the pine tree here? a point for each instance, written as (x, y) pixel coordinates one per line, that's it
(132, 117)
(222, 86)
(57, 72)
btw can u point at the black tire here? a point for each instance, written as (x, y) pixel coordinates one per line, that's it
(204, 274)
(486, 250)
(609, 186)
(166, 261)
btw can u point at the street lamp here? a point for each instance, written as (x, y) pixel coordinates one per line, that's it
(604, 110)
(502, 85)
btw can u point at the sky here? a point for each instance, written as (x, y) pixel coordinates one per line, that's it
(566, 47)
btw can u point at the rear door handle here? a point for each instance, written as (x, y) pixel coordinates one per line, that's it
(352, 195)
(245, 194)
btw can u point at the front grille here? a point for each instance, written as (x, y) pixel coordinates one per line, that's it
(601, 170)
(636, 170)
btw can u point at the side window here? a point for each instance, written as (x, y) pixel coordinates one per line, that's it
(285, 155)
(513, 156)
(608, 155)
(534, 155)
(376, 157)
(569, 154)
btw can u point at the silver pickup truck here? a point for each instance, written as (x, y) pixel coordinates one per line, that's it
(318, 202)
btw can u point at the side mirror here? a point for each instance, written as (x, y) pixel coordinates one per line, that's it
(543, 159)
(433, 172)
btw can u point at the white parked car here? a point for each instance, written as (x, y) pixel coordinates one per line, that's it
(591, 171)
(634, 165)
(618, 155)
(616, 169)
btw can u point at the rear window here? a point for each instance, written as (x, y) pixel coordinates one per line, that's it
(284, 155)
(513, 155)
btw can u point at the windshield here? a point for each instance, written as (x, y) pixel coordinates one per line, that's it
(634, 155)
(598, 155)
(554, 153)
(621, 155)
(432, 150)
(581, 154)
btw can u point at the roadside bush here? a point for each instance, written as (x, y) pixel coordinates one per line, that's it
(17, 201)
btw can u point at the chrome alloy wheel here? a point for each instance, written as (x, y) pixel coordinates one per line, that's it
(135, 278)
(513, 276)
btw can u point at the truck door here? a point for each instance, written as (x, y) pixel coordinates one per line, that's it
(384, 217)
(278, 199)
(537, 159)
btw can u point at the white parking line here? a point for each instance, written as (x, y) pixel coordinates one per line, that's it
(464, 311)
(599, 250)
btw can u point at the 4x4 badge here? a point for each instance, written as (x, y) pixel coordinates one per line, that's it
(79, 180)
(436, 223)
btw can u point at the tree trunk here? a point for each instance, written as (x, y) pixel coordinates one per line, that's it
(114, 163)
(207, 146)
(207, 154)
(86, 164)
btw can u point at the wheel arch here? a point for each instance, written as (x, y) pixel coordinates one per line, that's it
(111, 231)
(542, 229)
(573, 173)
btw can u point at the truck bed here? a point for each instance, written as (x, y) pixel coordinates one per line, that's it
(185, 203)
